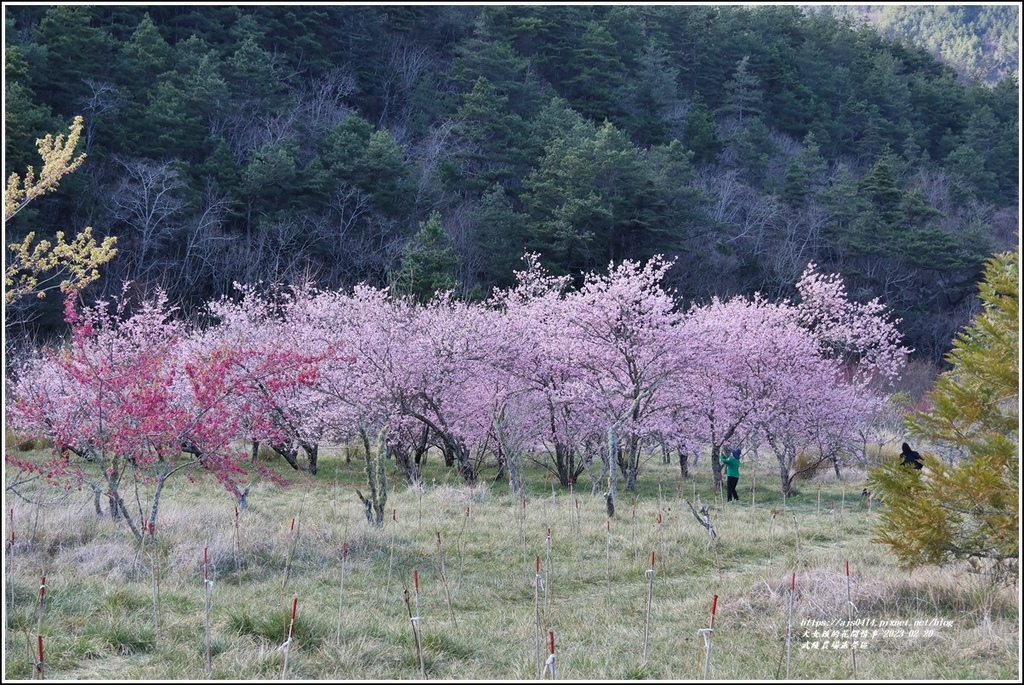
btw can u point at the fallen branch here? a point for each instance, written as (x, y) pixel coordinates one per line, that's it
(703, 517)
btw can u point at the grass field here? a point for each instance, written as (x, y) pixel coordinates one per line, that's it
(115, 610)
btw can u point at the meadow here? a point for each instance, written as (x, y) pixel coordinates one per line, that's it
(797, 586)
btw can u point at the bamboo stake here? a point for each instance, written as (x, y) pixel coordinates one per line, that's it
(707, 633)
(547, 585)
(414, 620)
(288, 641)
(536, 611)
(650, 597)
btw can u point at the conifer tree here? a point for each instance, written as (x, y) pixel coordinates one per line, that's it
(966, 508)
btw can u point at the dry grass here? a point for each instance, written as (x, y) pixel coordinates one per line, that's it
(99, 622)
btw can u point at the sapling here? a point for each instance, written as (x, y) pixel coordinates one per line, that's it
(391, 551)
(237, 549)
(789, 628)
(661, 537)
(156, 578)
(293, 536)
(650, 598)
(414, 621)
(462, 547)
(444, 577)
(579, 534)
(608, 558)
(632, 529)
(341, 592)
(547, 585)
(39, 624)
(796, 530)
(850, 609)
(522, 530)
(537, 580)
(207, 601)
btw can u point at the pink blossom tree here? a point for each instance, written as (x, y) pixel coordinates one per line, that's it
(280, 320)
(622, 325)
(131, 400)
(541, 362)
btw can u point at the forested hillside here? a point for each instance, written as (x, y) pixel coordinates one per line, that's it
(430, 146)
(980, 41)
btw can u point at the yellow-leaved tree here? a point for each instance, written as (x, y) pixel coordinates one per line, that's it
(34, 266)
(967, 507)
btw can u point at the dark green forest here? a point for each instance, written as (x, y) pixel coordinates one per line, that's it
(430, 146)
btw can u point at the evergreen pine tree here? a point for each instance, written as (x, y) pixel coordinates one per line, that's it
(967, 508)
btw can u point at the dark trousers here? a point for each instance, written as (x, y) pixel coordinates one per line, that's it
(730, 488)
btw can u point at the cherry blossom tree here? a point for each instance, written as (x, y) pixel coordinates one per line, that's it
(127, 398)
(622, 325)
(279, 320)
(542, 360)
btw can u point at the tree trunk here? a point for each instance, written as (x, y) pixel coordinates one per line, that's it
(613, 449)
(716, 466)
(290, 455)
(312, 452)
(632, 463)
(684, 464)
(784, 476)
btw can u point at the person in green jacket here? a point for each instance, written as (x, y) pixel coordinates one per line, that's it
(731, 460)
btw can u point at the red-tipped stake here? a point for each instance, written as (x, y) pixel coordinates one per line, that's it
(416, 589)
(707, 633)
(39, 664)
(549, 665)
(39, 617)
